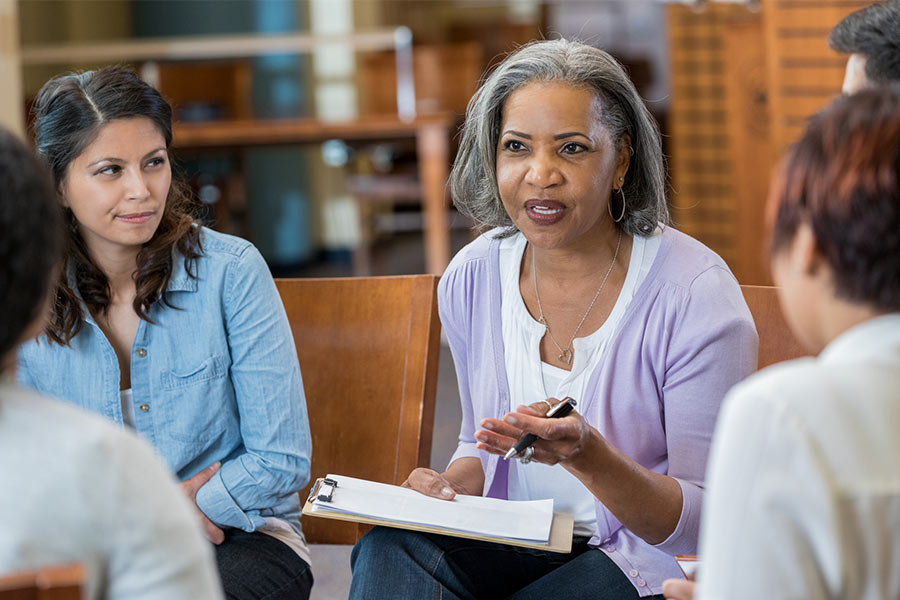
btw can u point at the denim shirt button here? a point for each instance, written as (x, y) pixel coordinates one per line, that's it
(144, 407)
(141, 352)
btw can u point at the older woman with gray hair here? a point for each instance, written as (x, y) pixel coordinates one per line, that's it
(579, 289)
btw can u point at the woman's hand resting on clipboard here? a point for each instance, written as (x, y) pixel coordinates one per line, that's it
(464, 476)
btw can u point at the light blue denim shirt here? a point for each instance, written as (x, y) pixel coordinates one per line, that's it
(216, 379)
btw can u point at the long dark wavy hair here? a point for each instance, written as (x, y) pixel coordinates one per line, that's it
(69, 112)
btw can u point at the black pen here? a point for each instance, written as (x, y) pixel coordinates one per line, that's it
(558, 411)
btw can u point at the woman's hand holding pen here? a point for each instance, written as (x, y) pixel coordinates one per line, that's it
(560, 439)
(646, 502)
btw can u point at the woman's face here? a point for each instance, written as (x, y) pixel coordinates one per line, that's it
(117, 187)
(556, 164)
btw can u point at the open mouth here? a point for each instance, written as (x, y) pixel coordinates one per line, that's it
(544, 212)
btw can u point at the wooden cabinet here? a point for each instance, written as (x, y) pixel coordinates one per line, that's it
(744, 81)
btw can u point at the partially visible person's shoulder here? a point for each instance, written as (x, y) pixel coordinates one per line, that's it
(684, 259)
(806, 403)
(788, 385)
(101, 496)
(57, 457)
(27, 417)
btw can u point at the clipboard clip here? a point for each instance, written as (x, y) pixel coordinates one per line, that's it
(317, 494)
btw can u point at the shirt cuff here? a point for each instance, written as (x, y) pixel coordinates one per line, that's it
(219, 507)
(465, 450)
(684, 539)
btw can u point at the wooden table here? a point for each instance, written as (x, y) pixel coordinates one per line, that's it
(431, 132)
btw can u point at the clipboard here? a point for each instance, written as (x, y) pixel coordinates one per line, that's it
(689, 565)
(561, 527)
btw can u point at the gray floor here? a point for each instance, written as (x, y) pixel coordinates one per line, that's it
(331, 564)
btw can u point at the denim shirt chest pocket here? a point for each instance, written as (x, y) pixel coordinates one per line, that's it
(197, 399)
(184, 376)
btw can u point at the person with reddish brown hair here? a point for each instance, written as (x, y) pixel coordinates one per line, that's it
(804, 491)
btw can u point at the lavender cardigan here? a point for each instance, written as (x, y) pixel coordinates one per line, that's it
(685, 339)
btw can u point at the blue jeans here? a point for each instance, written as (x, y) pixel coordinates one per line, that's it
(396, 564)
(256, 566)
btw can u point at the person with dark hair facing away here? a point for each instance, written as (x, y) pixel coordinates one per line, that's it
(73, 487)
(871, 36)
(581, 289)
(804, 489)
(172, 329)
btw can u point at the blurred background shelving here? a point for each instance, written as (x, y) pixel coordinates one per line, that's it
(309, 154)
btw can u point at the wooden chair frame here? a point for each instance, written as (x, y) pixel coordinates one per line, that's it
(776, 341)
(62, 582)
(368, 349)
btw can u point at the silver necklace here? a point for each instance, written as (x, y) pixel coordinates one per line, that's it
(565, 354)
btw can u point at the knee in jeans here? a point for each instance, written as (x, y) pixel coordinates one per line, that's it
(382, 542)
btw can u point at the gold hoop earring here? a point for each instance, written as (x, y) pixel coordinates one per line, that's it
(609, 206)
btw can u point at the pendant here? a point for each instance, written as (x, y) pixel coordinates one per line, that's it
(566, 356)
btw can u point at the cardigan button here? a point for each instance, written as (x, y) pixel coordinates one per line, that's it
(141, 352)
(144, 407)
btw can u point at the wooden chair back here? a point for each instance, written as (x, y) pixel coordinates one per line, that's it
(368, 350)
(776, 341)
(54, 583)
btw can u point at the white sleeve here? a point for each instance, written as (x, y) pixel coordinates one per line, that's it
(770, 525)
(157, 549)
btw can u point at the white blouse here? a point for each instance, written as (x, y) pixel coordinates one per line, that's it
(803, 484)
(531, 380)
(126, 397)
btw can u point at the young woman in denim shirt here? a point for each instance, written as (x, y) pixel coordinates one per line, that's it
(173, 329)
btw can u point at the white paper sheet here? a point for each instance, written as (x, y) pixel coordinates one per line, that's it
(515, 520)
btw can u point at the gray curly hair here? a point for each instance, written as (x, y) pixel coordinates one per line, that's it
(473, 180)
